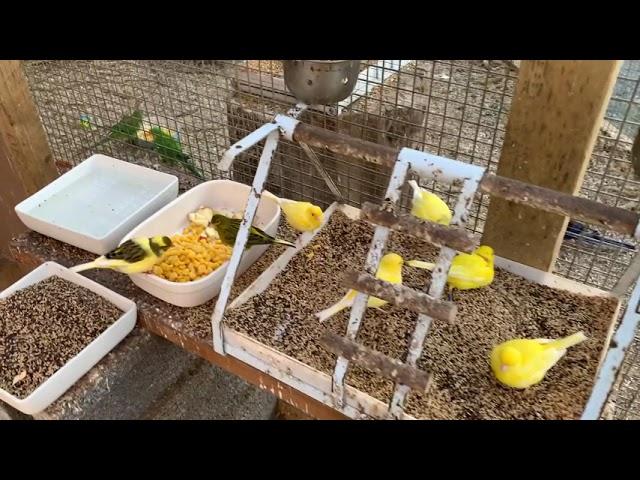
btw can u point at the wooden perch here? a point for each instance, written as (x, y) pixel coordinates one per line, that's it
(338, 143)
(613, 218)
(438, 235)
(377, 362)
(401, 296)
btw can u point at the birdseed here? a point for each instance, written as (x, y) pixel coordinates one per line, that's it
(43, 326)
(457, 354)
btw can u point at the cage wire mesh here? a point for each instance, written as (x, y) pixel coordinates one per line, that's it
(457, 109)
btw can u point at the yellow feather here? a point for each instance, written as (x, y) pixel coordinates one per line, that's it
(428, 206)
(301, 216)
(390, 270)
(123, 266)
(522, 363)
(468, 270)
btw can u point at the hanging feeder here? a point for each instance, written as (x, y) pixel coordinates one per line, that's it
(321, 82)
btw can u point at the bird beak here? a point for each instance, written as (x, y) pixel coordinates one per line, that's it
(504, 368)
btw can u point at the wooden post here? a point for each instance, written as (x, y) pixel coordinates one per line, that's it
(553, 125)
(26, 164)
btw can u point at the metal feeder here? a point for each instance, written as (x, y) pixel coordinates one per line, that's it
(321, 82)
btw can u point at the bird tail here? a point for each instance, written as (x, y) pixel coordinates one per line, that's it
(421, 264)
(272, 196)
(280, 201)
(87, 266)
(337, 307)
(284, 242)
(570, 341)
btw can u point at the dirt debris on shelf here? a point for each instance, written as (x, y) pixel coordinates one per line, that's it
(283, 318)
(43, 326)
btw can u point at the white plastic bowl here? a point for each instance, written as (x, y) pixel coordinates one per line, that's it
(58, 383)
(96, 203)
(217, 194)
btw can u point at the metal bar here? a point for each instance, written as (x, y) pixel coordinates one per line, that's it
(246, 143)
(440, 169)
(438, 283)
(371, 266)
(611, 365)
(260, 178)
(376, 361)
(438, 235)
(323, 173)
(241, 239)
(400, 295)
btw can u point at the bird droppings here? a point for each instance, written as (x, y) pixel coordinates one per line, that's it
(43, 326)
(457, 354)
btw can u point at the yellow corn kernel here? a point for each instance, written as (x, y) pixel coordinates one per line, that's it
(191, 256)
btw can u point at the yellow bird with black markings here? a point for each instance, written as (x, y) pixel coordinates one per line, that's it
(137, 255)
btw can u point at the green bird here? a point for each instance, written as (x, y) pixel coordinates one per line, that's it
(227, 229)
(85, 121)
(126, 130)
(170, 149)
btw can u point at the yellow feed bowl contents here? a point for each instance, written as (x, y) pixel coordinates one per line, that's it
(191, 256)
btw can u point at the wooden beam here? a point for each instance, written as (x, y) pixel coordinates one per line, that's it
(26, 164)
(168, 321)
(553, 124)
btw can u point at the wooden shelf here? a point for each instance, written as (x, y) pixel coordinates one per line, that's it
(168, 321)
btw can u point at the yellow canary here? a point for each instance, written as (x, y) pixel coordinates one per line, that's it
(136, 255)
(428, 206)
(522, 363)
(302, 216)
(390, 270)
(468, 270)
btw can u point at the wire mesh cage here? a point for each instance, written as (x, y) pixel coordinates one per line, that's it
(457, 109)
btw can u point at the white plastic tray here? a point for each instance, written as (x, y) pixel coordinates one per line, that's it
(216, 194)
(95, 204)
(51, 389)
